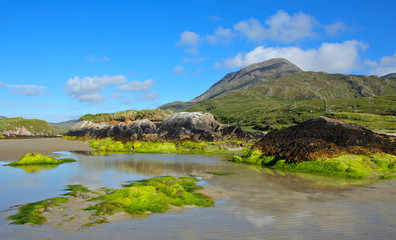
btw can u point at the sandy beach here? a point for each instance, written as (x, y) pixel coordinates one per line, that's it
(13, 149)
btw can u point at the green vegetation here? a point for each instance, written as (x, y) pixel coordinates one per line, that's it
(30, 213)
(186, 146)
(279, 101)
(32, 125)
(350, 166)
(63, 127)
(38, 159)
(267, 113)
(129, 115)
(219, 173)
(154, 195)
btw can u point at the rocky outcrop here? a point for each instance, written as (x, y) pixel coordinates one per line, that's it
(323, 137)
(179, 126)
(23, 132)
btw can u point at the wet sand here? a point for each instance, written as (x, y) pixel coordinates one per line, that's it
(13, 149)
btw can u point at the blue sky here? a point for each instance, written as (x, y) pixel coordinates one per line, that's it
(62, 59)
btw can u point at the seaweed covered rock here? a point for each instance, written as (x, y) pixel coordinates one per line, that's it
(323, 137)
(178, 126)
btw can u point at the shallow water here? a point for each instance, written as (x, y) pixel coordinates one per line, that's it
(253, 203)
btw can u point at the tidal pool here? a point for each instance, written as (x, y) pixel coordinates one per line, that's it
(252, 203)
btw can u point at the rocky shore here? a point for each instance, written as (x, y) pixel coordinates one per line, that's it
(324, 137)
(179, 126)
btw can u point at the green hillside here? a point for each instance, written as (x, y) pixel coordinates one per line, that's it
(32, 125)
(279, 100)
(62, 127)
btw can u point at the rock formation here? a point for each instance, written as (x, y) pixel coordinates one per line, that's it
(179, 126)
(323, 137)
(23, 132)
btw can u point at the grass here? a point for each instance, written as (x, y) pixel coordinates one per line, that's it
(349, 166)
(267, 113)
(38, 159)
(186, 146)
(129, 115)
(155, 195)
(31, 213)
(32, 125)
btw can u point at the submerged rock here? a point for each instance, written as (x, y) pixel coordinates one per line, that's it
(183, 125)
(323, 137)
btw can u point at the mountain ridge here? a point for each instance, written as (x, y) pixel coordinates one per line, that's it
(277, 99)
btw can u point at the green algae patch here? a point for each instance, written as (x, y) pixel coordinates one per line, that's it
(83, 207)
(38, 159)
(183, 146)
(155, 195)
(219, 173)
(31, 213)
(379, 165)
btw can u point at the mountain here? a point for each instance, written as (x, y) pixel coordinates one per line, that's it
(390, 75)
(250, 76)
(246, 77)
(63, 127)
(276, 93)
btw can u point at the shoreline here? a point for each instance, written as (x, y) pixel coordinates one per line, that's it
(13, 149)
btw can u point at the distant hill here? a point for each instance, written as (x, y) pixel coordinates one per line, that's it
(63, 127)
(25, 127)
(276, 93)
(390, 75)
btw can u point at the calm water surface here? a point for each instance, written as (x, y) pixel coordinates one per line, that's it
(253, 203)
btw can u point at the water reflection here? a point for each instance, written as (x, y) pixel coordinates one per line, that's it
(254, 203)
(36, 168)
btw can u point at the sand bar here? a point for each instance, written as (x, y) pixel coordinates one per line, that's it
(13, 149)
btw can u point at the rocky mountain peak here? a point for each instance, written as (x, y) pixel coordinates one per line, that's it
(249, 76)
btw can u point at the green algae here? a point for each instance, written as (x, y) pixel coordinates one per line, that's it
(346, 165)
(219, 173)
(38, 159)
(139, 199)
(155, 195)
(184, 146)
(31, 213)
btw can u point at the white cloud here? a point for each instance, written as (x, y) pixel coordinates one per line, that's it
(147, 96)
(193, 50)
(126, 102)
(26, 90)
(178, 70)
(195, 59)
(2, 84)
(135, 86)
(386, 65)
(221, 35)
(214, 18)
(286, 28)
(252, 29)
(329, 57)
(280, 27)
(116, 95)
(336, 28)
(88, 89)
(188, 38)
(92, 58)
